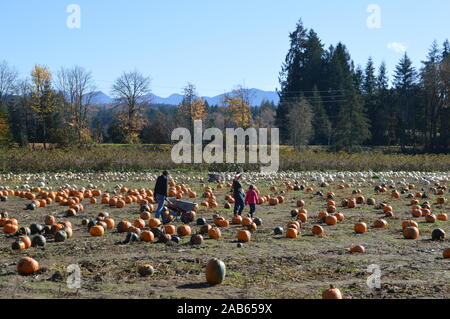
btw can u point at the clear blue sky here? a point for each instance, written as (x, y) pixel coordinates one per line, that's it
(214, 44)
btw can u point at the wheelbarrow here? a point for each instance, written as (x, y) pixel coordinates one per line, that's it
(180, 206)
(215, 178)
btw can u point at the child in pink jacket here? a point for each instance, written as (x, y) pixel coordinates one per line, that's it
(251, 198)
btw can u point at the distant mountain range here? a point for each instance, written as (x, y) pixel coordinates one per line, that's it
(256, 98)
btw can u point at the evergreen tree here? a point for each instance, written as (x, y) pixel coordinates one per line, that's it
(352, 127)
(405, 80)
(358, 79)
(430, 78)
(371, 101)
(290, 77)
(300, 123)
(444, 89)
(382, 115)
(321, 123)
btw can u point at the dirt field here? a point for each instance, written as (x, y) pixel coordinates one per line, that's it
(270, 266)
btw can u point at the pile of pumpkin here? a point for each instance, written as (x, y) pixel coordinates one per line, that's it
(59, 231)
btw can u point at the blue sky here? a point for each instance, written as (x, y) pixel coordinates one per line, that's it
(213, 44)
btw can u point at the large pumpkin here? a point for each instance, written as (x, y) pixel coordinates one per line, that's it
(360, 228)
(446, 253)
(110, 224)
(331, 220)
(10, 229)
(317, 230)
(244, 236)
(214, 233)
(184, 230)
(123, 226)
(139, 223)
(237, 220)
(332, 293)
(147, 236)
(49, 220)
(27, 266)
(215, 271)
(411, 232)
(97, 231)
(170, 229)
(380, 223)
(26, 240)
(291, 233)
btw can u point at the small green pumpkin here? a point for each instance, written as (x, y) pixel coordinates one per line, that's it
(215, 271)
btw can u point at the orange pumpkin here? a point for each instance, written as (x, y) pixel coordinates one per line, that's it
(10, 228)
(139, 223)
(291, 233)
(317, 230)
(170, 229)
(123, 226)
(236, 220)
(26, 240)
(214, 233)
(302, 217)
(244, 236)
(446, 253)
(331, 220)
(247, 221)
(147, 236)
(430, 218)
(332, 293)
(110, 224)
(360, 228)
(357, 249)
(184, 230)
(340, 217)
(97, 231)
(300, 203)
(411, 232)
(154, 222)
(145, 215)
(27, 266)
(380, 223)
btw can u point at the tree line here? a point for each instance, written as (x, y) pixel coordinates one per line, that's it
(324, 100)
(58, 109)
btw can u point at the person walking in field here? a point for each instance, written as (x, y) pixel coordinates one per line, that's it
(251, 199)
(238, 194)
(162, 183)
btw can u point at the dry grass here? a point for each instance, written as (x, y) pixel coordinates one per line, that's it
(151, 157)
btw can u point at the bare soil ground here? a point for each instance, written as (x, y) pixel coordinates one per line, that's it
(269, 266)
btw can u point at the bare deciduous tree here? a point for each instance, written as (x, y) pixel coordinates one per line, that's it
(8, 78)
(129, 90)
(77, 86)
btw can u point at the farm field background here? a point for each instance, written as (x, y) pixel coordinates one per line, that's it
(104, 157)
(269, 266)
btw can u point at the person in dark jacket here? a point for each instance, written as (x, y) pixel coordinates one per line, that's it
(160, 192)
(238, 194)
